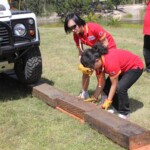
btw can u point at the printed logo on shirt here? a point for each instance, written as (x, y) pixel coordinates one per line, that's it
(101, 33)
(112, 73)
(91, 38)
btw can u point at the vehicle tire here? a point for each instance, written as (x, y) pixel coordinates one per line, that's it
(29, 67)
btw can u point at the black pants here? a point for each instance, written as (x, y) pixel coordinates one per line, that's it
(121, 100)
(146, 51)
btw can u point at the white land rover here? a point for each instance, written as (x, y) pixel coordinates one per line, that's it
(19, 44)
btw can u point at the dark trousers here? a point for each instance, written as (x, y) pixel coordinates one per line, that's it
(121, 100)
(146, 51)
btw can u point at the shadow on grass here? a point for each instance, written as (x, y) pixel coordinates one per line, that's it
(50, 82)
(135, 104)
(11, 89)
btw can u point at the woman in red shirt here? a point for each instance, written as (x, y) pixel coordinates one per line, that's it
(86, 34)
(146, 31)
(123, 69)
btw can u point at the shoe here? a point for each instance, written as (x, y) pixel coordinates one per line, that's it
(124, 116)
(112, 110)
(148, 70)
(84, 95)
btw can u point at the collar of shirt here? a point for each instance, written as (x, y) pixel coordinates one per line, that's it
(85, 32)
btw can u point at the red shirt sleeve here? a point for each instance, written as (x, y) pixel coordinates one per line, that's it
(98, 31)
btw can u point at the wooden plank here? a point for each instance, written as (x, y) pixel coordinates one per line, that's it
(58, 98)
(75, 105)
(147, 147)
(71, 115)
(123, 132)
(47, 93)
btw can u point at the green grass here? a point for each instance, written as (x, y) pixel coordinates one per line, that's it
(27, 123)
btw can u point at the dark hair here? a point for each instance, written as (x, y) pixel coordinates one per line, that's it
(75, 18)
(90, 55)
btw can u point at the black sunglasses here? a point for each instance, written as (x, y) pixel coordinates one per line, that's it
(72, 27)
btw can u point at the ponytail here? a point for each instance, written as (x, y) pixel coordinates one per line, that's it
(99, 48)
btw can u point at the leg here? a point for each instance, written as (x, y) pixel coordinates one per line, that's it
(146, 52)
(126, 81)
(85, 83)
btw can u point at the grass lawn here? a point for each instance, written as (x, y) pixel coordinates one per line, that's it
(27, 123)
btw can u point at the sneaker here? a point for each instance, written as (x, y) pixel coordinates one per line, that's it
(112, 110)
(124, 116)
(148, 70)
(84, 95)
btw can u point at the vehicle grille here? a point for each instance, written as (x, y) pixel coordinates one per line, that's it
(4, 36)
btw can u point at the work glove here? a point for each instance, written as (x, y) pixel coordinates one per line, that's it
(91, 99)
(85, 70)
(106, 104)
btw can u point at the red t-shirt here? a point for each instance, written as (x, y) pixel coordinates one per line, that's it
(93, 32)
(146, 27)
(119, 61)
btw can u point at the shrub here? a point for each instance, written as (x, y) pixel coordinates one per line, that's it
(114, 22)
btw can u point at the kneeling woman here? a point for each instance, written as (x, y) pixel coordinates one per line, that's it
(123, 69)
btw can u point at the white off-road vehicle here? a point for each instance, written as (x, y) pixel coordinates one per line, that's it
(19, 44)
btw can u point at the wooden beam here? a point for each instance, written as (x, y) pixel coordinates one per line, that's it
(46, 93)
(58, 98)
(75, 105)
(123, 132)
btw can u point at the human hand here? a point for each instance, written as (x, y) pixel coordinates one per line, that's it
(91, 99)
(85, 70)
(106, 104)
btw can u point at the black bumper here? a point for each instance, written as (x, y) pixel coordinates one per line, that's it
(16, 48)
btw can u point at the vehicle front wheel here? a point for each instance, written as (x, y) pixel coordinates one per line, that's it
(29, 67)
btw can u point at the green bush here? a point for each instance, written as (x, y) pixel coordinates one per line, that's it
(128, 16)
(114, 22)
(91, 17)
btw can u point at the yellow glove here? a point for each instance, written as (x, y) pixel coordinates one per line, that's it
(85, 70)
(91, 99)
(106, 104)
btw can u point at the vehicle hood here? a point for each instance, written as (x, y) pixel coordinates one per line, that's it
(4, 9)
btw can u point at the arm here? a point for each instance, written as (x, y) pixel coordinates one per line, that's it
(78, 44)
(80, 50)
(108, 101)
(99, 89)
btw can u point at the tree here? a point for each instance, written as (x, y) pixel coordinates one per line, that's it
(37, 6)
(118, 2)
(81, 7)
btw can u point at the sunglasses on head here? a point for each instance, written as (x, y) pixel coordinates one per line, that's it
(72, 27)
